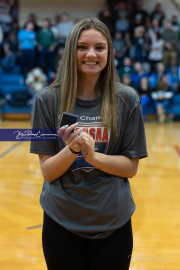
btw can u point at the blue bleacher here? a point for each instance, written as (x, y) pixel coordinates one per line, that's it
(8, 109)
(11, 78)
(7, 89)
(174, 108)
(10, 82)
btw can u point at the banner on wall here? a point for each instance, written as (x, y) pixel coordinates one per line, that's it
(8, 14)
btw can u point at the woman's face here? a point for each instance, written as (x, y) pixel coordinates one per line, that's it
(30, 26)
(92, 52)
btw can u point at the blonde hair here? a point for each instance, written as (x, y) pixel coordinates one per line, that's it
(67, 80)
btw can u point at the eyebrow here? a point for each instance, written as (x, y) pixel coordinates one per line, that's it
(99, 43)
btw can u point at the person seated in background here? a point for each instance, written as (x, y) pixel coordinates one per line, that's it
(158, 14)
(27, 42)
(161, 97)
(126, 79)
(156, 50)
(138, 74)
(106, 17)
(64, 27)
(145, 91)
(120, 47)
(157, 74)
(127, 67)
(170, 38)
(46, 44)
(36, 80)
(11, 49)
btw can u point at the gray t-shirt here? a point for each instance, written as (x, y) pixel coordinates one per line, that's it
(85, 200)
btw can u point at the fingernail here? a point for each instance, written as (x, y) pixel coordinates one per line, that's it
(81, 128)
(75, 124)
(85, 140)
(66, 126)
(80, 135)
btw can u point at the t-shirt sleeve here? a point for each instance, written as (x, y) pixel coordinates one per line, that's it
(134, 139)
(41, 119)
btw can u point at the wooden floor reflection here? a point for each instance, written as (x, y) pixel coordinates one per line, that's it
(156, 191)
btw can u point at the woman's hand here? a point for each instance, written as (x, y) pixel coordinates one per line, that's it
(88, 145)
(73, 140)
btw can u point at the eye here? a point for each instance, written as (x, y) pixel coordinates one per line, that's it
(81, 47)
(100, 48)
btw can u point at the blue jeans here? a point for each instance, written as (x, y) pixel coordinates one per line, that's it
(46, 57)
(27, 61)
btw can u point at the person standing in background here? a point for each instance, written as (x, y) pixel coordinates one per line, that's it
(64, 27)
(46, 45)
(27, 44)
(156, 50)
(170, 39)
(158, 14)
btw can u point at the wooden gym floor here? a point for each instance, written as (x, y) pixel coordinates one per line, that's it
(156, 191)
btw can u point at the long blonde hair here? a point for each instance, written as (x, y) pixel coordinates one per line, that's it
(67, 80)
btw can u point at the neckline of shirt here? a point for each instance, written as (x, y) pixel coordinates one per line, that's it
(88, 103)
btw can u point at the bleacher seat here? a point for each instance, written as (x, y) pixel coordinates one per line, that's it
(11, 78)
(8, 109)
(176, 99)
(7, 89)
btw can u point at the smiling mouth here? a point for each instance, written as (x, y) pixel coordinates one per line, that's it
(90, 63)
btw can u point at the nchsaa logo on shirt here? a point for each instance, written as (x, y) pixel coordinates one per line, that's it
(100, 135)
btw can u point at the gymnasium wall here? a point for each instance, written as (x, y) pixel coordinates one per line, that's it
(79, 8)
(168, 7)
(44, 8)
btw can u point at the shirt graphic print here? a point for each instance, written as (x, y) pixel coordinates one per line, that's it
(100, 135)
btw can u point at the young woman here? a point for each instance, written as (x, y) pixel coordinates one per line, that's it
(27, 43)
(86, 194)
(156, 51)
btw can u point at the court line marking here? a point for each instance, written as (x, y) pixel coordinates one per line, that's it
(177, 150)
(7, 151)
(34, 227)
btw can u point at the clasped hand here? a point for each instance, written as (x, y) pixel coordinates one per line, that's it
(79, 141)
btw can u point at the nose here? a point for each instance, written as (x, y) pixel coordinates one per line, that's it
(91, 53)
